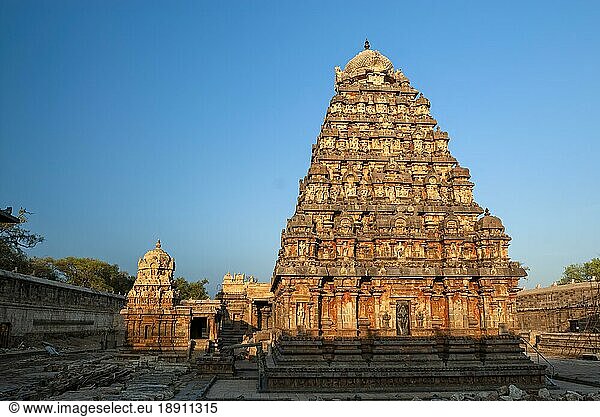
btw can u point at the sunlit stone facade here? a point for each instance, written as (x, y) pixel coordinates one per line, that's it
(386, 238)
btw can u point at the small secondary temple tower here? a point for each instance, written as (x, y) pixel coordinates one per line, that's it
(155, 317)
(386, 238)
(150, 316)
(390, 275)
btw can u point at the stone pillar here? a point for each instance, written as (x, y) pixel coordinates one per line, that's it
(338, 307)
(487, 314)
(325, 322)
(314, 307)
(214, 331)
(364, 320)
(287, 322)
(449, 294)
(293, 315)
(253, 312)
(428, 319)
(265, 316)
(377, 308)
(354, 317)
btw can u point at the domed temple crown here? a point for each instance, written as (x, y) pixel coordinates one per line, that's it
(367, 62)
(156, 259)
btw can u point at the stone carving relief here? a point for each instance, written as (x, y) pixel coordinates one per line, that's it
(388, 202)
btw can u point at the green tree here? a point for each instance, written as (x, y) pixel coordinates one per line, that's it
(572, 273)
(43, 268)
(591, 269)
(191, 290)
(93, 273)
(581, 272)
(14, 238)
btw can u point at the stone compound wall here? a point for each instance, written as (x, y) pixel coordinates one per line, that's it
(553, 309)
(34, 309)
(562, 320)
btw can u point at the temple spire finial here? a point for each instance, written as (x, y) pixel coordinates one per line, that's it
(367, 44)
(158, 244)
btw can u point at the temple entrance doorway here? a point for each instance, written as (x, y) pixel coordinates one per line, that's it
(262, 309)
(199, 328)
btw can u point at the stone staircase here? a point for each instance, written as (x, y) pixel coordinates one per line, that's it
(230, 335)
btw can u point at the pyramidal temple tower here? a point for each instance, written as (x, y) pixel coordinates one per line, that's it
(386, 238)
(390, 276)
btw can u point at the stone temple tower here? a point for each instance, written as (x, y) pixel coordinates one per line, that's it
(150, 316)
(390, 277)
(386, 238)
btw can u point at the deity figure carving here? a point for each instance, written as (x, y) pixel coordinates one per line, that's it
(418, 146)
(432, 189)
(335, 192)
(348, 314)
(400, 250)
(402, 318)
(350, 187)
(385, 320)
(300, 315)
(391, 193)
(363, 192)
(338, 75)
(345, 226)
(302, 248)
(368, 222)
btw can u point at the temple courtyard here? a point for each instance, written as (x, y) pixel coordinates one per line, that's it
(110, 375)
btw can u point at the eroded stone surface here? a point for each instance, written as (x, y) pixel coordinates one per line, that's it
(386, 238)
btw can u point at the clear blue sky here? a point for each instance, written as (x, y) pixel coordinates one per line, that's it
(122, 122)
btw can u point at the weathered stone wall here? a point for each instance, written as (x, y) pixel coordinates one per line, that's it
(562, 320)
(33, 308)
(568, 344)
(246, 302)
(552, 309)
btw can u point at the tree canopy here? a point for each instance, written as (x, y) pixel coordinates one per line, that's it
(14, 238)
(191, 290)
(93, 273)
(587, 271)
(85, 272)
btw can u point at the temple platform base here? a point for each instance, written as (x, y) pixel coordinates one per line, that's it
(397, 364)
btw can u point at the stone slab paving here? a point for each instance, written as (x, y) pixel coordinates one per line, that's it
(191, 390)
(577, 368)
(163, 381)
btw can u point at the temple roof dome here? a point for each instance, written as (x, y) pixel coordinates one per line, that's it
(489, 222)
(368, 60)
(156, 258)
